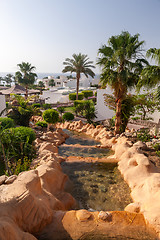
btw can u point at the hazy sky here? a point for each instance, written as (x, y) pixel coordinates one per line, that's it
(45, 32)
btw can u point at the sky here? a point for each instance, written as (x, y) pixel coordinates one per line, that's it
(45, 32)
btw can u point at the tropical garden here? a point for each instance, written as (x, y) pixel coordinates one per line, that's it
(125, 66)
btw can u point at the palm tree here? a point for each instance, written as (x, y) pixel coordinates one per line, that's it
(150, 75)
(26, 76)
(9, 78)
(51, 83)
(1, 79)
(122, 62)
(79, 64)
(41, 85)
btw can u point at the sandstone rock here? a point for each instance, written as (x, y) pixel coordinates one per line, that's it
(133, 207)
(140, 145)
(105, 216)
(83, 215)
(2, 179)
(11, 179)
(48, 146)
(38, 141)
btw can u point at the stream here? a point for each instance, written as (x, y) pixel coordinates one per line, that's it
(95, 186)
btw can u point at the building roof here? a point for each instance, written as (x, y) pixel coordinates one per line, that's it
(17, 89)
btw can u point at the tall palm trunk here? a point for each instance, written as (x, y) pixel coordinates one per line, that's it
(26, 91)
(118, 116)
(77, 90)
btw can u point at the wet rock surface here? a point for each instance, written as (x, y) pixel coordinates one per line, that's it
(97, 186)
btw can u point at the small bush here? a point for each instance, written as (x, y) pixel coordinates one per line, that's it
(46, 106)
(60, 109)
(42, 124)
(72, 96)
(6, 123)
(21, 116)
(87, 93)
(17, 142)
(36, 105)
(7, 104)
(68, 116)
(78, 102)
(51, 116)
(143, 135)
(20, 166)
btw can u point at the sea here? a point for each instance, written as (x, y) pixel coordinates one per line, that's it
(42, 75)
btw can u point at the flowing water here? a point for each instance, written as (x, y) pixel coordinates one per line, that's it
(97, 186)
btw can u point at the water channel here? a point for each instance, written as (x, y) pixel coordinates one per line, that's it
(95, 186)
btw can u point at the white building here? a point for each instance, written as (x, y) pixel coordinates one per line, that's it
(102, 111)
(2, 104)
(56, 95)
(58, 82)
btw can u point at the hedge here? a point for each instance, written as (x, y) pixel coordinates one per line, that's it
(42, 124)
(51, 116)
(87, 93)
(72, 96)
(68, 116)
(6, 122)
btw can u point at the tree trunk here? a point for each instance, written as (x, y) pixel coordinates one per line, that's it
(78, 77)
(118, 116)
(26, 92)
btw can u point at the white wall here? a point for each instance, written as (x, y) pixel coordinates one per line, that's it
(2, 104)
(102, 111)
(83, 82)
(54, 97)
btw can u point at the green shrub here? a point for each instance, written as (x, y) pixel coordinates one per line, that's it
(36, 105)
(60, 109)
(7, 104)
(51, 116)
(42, 124)
(79, 102)
(143, 135)
(68, 116)
(87, 93)
(156, 146)
(6, 122)
(22, 111)
(20, 166)
(16, 143)
(89, 110)
(79, 106)
(21, 115)
(46, 106)
(72, 96)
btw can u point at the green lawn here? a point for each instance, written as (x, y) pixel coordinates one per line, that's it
(69, 109)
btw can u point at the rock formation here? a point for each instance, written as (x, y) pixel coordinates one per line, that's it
(35, 204)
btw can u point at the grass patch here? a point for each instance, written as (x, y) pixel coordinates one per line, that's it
(69, 109)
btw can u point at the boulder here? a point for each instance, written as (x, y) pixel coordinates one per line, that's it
(11, 179)
(3, 179)
(48, 146)
(133, 207)
(83, 215)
